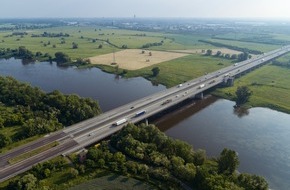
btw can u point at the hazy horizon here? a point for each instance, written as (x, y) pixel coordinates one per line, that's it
(223, 9)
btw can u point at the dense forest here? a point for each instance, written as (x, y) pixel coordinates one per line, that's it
(34, 112)
(147, 152)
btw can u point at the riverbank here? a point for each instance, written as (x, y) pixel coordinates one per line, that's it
(270, 87)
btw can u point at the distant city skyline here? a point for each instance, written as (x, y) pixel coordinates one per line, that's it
(146, 8)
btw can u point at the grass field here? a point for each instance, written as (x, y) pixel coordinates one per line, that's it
(83, 36)
(183, 69)
(270, 87)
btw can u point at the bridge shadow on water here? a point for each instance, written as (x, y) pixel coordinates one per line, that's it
(172, 116)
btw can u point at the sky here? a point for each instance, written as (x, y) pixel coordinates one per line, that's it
(145, 8)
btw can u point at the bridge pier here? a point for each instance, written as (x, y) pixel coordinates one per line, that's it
(231, 81)
(228, 81)
(146, 122)
(199, 96)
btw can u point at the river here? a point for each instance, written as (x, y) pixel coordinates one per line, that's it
(259, 135)
(109, 90)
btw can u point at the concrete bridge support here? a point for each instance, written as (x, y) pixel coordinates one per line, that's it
(199, 96)
(230, 81)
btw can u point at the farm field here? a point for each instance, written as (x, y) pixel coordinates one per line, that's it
(133, 59)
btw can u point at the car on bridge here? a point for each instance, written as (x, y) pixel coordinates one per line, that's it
(167, 101)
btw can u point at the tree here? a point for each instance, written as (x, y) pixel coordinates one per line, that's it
(61, 57)
(234, 56)
(74, 172)
(243, 94)
(25, 53)
(243, 56)
(228, 56)
(150, 53)
(27, 182)
(47, 172)
(155, 71)
(75, 45)
(101, 163)
(199, 157)
(228, 161)
(208, 52)
(218, 53)
(4, 140)
(100, 46)
(252, 182)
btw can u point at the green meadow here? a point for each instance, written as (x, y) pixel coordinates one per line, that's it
(270, 87)
(83, 36)
(182, 69)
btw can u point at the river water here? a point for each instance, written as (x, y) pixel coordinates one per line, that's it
(109, 90)
(259, 135)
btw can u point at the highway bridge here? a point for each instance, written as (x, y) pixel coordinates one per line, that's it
(87, 132)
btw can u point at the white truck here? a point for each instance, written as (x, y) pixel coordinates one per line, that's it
(201, 86)
(120, 122)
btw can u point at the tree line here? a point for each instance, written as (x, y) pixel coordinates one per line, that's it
(59, 57)
(148, 45)
(256, 39)
(240, 57)
(256, 52)
(37, 112)
(281, 64)
(50, 35)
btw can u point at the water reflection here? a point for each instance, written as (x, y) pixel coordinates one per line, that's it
(241, 111)
(27, 61)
